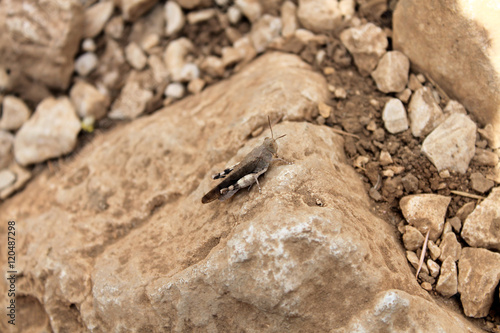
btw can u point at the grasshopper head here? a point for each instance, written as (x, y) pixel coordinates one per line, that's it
(271, 145)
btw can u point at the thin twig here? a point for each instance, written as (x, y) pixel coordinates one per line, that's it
(422, 255)
(468, 195)
(344, 133)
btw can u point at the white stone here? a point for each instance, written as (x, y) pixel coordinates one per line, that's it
(452, 144)
(264, 31)
(233, 14)
(6, 144)
(347, 8)
(88, 101)
(189, 72)
(367, 44)
(96, 17)
(425, 212)
(174, 17)
(175, 90)
(201, 15)
(86, 63)
(424, 112)
(135, 56)
(14, 113)
(174, 57)
(51, 132)
(7, 178)
(88, 45)
(252, 9)
(482, 227)
(289, 18)
(394, 116)
(391, 74)
(319, 15)
(132, 101)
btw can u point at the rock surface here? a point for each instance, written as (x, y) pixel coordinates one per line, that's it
(88, 101)
(450, 247)
(14, 113)
(467, 67)
(50, 132)
(123, 224)
(40, 38)
(394, 116)
(391, 74)
(482, 226)
(452, 144)
(447, 283)
(319, 16)
(425, 212)
(367, 44)
(425, 114)
(477, 283)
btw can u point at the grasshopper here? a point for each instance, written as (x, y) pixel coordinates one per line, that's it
(247, 172)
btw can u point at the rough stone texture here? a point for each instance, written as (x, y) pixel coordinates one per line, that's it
(452, 144)
(477, 282)
(450, 247)
(319, 15)
(447, 283)
(50, 132)
(133, 9)
(480, 183)
(434, 250)
(14, 113)
(22, 176)
(482, 226)
(6, 143)
(175, 18)
(412, 238)
(367, 44)
(391, 74)
(88, 101)
(122, 225)
(264, 31)
(96, 17)
(394, 116)
(467, 67)
(433, 267)
(425, 212)
(39, 40)
(425, 114)
(465, 211)
(485, 157)
(131, 102)
(289, 18)
(252, 9)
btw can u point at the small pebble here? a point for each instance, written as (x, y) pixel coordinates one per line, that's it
(201, 16)
(340, 93)
(88, 45)
(174, 17)
(234, 15)
(426, 286)
(175, 90)
(196, 85)
(7, 178)
(135, 56)
(385, 158)
(480, 183)
(86, 63)
(324, 110)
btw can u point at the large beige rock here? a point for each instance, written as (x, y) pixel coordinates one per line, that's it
(123, 225)
(478, 276)
(482, 226)
(39, 39)
(456, 43)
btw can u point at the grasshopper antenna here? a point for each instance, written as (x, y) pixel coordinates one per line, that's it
(270, 127)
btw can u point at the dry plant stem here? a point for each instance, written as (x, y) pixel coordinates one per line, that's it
(422, 255)
(468, 195)
(344, 133)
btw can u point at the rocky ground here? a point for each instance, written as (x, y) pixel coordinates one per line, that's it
(429, 164)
